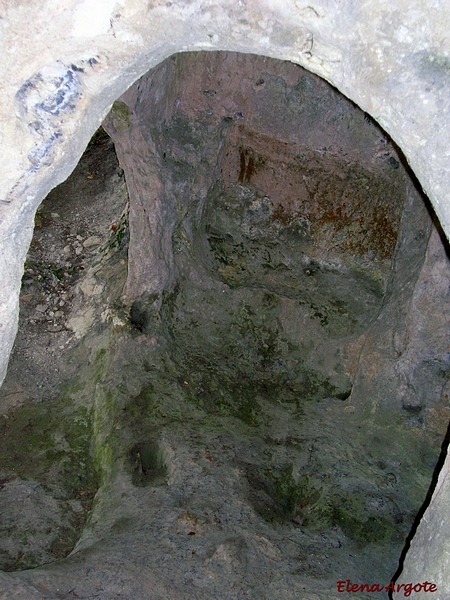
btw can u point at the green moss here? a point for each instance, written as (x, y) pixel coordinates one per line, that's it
(63, 442)
(222, 393)
(240, 358)
(361, 527)
(102, 427)
(309, 503)
(284, 490)
(99, 366)
(121, 114)
(36, 435)
(286, 499)
(50, 443)
(27, 435)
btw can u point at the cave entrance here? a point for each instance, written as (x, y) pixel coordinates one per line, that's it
(275, 381)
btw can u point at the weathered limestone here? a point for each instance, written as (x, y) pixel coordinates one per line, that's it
(399, 346)
(428, 557)
(270, 125)
(61, 73)
(62, 80)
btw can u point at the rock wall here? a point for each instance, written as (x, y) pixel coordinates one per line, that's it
(274, 159)
(65, 73)
(270, 126)
(92, 53)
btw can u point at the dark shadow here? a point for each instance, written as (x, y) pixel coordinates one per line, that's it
(147, 465)
(423, 508)
(428, 205)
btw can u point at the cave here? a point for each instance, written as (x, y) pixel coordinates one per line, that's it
(231, 374)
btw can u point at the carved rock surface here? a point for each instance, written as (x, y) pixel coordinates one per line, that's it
(249, 420)
(62, 77)
(68, 71)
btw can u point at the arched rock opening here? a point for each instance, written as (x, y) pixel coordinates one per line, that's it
(248, 263)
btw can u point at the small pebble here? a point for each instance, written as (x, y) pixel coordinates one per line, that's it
(92, 240)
